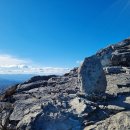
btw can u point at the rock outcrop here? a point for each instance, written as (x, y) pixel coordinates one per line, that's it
(116, 54)
(57, 103)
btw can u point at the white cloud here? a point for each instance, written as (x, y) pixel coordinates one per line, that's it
(79, 62)
(13, 65)
(8, 60)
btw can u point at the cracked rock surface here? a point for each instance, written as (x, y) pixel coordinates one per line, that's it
(57, 102)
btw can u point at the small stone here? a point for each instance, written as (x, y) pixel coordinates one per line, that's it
(64, 104)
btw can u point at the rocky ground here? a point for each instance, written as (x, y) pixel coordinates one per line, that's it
(58, 102)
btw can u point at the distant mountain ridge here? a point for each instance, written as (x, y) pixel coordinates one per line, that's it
(7, 80)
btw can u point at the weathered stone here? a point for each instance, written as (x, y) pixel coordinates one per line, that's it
(121, 59)
(118, 83)
(120, 121)
(105, 56)
(38, 78)
(61, 123)
(21, 108)
(8, 93)
(116, 54)
(92, 77)
(114, 70)
(80, 106)
(55, 102)
(28, 86)
(122, 44)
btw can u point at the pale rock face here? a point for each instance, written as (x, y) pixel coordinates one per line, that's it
(78, 106)
(105, 56)
(92, 77)
(120, 121)
(116, 54)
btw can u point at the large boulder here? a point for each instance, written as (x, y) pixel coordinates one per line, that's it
(92, 77)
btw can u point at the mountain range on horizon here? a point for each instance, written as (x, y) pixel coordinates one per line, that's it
(7, 80)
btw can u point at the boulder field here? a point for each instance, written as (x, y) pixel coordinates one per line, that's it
(94, 96)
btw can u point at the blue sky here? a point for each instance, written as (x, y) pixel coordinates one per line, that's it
(58, 33)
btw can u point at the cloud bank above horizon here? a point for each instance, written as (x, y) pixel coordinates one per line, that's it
(13, 65)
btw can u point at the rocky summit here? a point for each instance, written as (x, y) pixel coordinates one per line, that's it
(95, 96)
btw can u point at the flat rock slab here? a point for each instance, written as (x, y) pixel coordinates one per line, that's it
(92, 77)
(120, 121)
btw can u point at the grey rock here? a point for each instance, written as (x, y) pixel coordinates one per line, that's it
(80, 106)
(72, 73)
(8, 93)
(66, 123)
(21, 96)
(120, 121)
(56, 103)
(105, 56)
(92, 77)
(122, 44)
(116, 83)
(38, 78)
(116, 54)
(114, 70)
(121, 59)
(28, 86)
